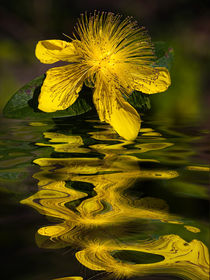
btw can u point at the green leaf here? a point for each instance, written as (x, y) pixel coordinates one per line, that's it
(164, 54)
(23, 104)
(140, 100)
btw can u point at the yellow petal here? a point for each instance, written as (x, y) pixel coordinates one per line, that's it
(60, 88)
(50, 51)
(125, 120)
(113, 109)
(151, 80)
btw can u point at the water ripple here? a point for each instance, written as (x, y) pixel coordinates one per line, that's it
(93, 206)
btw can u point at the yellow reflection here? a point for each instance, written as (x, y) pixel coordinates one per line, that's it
(198, 168)
(37, 124)
(184, 259)
(151, 134)
(192, 229)
(145, 147)
(67, 144)
(92, 218)
(69, 278)
(52, 199)
(109, 189)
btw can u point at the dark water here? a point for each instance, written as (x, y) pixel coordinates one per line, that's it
(79, 202)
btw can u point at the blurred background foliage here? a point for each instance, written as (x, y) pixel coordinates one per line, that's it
(183, 24)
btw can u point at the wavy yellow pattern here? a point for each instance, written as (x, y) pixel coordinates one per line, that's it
(181, 258)
(96, 221)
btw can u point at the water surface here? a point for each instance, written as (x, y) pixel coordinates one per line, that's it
(80, 202)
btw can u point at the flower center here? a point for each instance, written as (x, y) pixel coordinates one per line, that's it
(103, 61)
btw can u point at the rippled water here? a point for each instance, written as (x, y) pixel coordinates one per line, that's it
(105, 208)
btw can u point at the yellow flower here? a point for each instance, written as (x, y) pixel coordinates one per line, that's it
(113, 55)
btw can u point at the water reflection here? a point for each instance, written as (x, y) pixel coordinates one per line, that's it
(87, 190)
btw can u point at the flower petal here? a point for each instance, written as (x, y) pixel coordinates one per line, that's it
(50, 51)
(125, 120)
(112, 108)
(151, 80)
(60, 88)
